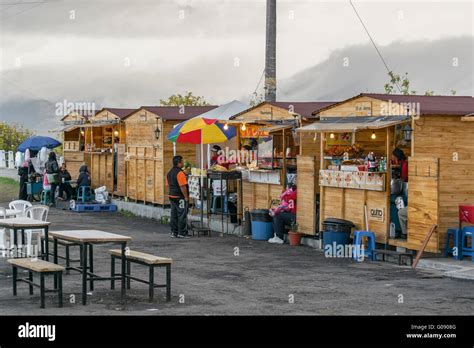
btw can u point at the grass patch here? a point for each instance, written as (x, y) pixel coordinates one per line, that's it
(127, 213)
(8, 189)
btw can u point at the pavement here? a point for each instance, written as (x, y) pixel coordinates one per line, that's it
(9, 173)
(449, 267)
(231, 275)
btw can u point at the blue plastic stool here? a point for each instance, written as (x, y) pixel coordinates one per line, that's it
(84, 194)
(218, 200)
(467, 232)
(453, 232)
(45, 197)
(358, 235)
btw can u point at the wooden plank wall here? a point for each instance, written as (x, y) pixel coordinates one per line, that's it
(259, 196)
(307, 180)
(442, 137)
(122, 171)
(102, 170)
(348, 204)
(74, 160)
(423, 198)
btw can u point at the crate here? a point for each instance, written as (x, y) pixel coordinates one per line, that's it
(80, 207)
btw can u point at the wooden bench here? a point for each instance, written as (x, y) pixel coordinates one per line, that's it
(400, 255)
(149, 260)
(43, 268)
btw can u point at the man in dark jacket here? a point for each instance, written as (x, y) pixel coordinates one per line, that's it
(179, 198)
(84, 178)
(64, 185)
(23, 173)
(52, 170)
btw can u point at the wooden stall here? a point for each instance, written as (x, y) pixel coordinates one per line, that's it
(73, 140)
(149, 154)
(276, 120)
(104, 149)
(436, 137)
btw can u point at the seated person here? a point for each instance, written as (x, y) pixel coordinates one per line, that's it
(64, 184)
(84, 178)
(284, 214)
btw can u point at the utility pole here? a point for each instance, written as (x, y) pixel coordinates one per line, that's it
(270, 53)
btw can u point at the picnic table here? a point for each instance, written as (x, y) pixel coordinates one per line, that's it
(23, 223)
(86, 239)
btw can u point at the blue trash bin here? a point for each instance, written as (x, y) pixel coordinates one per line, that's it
(262, 224)
(337, 231)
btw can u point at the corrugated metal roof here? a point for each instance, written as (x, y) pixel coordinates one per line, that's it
(304, 109)
(353, 123)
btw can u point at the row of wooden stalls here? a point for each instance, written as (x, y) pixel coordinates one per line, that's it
(126, 150)
(303, 142)
(435, 132)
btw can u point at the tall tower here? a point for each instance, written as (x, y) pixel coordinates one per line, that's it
(270, 53)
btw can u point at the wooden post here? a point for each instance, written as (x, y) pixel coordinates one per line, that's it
(283, 169)
(321, 187)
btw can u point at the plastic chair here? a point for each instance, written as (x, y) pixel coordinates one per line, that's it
(467, 232)
(454, 233)
(466, 214)
(358, 236)
(45, 197)
(20, 205)
(37, 212)
(84, 194)
(3, 235)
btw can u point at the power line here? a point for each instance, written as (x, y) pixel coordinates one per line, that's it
(373, 43)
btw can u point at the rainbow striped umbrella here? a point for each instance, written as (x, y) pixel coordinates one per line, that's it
(199, 130)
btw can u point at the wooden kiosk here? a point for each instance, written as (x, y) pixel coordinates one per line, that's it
(73, 140)
(149, 154)
(434, 131)
(276, 121)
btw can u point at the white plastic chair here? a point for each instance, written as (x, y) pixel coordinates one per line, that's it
(37, 212)
(20, 205)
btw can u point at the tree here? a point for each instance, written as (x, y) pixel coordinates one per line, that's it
(397, 81)
(256, 99)
(188, 99)
(11, 136)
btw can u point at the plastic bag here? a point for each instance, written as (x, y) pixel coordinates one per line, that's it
(101, 195)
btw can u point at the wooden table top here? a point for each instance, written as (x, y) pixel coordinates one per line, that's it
(89, 236)
(20, 222)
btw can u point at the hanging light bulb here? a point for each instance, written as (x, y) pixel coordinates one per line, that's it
(116, 133)
(373, 136)
(243, 128)
(82, 132)
(332, 136)
(226, 126)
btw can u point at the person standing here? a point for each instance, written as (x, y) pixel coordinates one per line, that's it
(52, 170)
(64, 185)
(398, 156)
(179, 198)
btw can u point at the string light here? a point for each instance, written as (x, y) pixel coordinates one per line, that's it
(226, 126)
(243, 128)
(332, 136)
(116, 133)
(373, 136)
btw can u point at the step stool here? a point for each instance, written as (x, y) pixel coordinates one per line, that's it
(45, 197)
(467, 232)
(84, 194)
(358, 235)
(453, 232)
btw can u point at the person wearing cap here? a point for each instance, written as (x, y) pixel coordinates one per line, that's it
(217, 157)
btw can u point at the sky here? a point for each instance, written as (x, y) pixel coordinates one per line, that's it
(121, 53)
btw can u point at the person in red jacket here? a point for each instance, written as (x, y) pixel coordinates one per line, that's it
(284, 214)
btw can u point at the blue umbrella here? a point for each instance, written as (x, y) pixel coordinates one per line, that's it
(36, 143)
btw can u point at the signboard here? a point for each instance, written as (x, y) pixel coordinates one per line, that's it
(377, 214)
(363, 108)
(252, 131)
